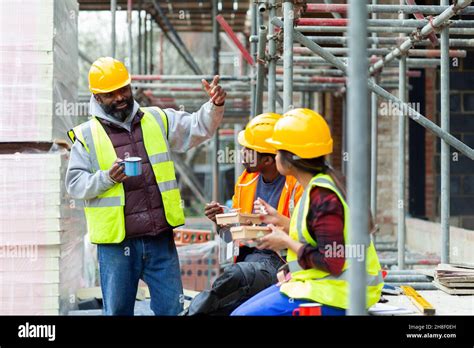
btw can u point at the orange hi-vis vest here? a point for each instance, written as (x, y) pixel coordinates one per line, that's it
(246, 186)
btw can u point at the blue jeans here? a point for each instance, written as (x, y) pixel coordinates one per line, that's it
(153, 259)
(272, 302)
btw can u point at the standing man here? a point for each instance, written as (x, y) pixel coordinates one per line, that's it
(131, 219)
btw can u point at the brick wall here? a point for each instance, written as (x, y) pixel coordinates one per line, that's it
(462, 127)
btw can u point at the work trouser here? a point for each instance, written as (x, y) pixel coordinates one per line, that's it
(152, 259)
(238, 283)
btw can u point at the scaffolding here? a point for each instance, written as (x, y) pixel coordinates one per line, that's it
(295, 52)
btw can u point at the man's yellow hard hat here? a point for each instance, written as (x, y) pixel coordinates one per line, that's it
(107, 75)
(302, 132)
(257, 131)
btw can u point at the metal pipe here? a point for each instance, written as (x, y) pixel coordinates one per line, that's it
(334, 72)
(130, 35)
(334, 14)
(231, 34)
(113, 11)
(358, 165)
(408, 110)
(288, 15)
(445, 151)
(382, 51)
(272, 59)
(190, 94)
(262, 42)
(412, 23)
(401, 226)
(424, 32)
(175, 39)
(418, 15)
(139, 51)
(408, 9)
(215, 143)
(391, 262)
(145, 44)
(417, 286)
(187, 78)
(152, 48)
(238, 168)
(342, 40)
(392, 278)
(386, 29)
(253, 52)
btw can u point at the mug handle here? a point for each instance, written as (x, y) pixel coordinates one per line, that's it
(296, 312)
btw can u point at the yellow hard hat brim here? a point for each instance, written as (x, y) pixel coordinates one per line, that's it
(304, 151)
(243, 142)
(112, 88)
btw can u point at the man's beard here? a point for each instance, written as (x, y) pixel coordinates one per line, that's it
(120, 115)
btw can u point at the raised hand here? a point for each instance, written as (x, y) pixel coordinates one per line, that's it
(214, 91)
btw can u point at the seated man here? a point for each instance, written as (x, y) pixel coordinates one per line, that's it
(262, 185)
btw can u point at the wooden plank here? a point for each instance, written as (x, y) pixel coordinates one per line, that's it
(453, 291)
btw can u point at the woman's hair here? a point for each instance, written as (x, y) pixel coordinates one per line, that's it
(320, 166)
(315, 166)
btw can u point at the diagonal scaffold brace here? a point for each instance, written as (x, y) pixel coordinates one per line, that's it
(405, 108)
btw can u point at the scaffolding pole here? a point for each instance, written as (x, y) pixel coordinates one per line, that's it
(408, 9)
(358, 165)
(386, 29)
(340, 40)
(288, 16)
(272, 59)
(407, 23)
(373, 138)
(113, 11)
(215, 142)
(139, 50)
(145, 44)
(262, 42)
(445, 155)
(130, 35)
(402, 95)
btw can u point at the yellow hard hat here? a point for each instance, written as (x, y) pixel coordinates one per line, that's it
(107, 75)
(302, 132)
(257, 131)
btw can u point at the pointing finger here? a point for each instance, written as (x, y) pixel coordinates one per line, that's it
(215, 80)
(206, 85)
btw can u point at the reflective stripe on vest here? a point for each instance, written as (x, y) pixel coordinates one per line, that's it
(105, 215)
(372, 280)
(318, 285)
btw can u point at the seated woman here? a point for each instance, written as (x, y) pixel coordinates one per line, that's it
(319, 227)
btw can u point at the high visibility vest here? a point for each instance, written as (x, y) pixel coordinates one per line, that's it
(315, 284)
(105, 213)
(246, 186)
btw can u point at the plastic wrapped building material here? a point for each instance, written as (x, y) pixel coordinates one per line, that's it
(38, 69)
(41, 236)
(199, 265)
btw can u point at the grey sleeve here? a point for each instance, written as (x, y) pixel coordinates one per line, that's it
(187, 130)
(80, 182)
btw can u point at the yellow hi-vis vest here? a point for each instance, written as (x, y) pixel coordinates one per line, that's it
(315, 284)
(105, 213)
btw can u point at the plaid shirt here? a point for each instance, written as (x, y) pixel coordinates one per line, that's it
(325, 223)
